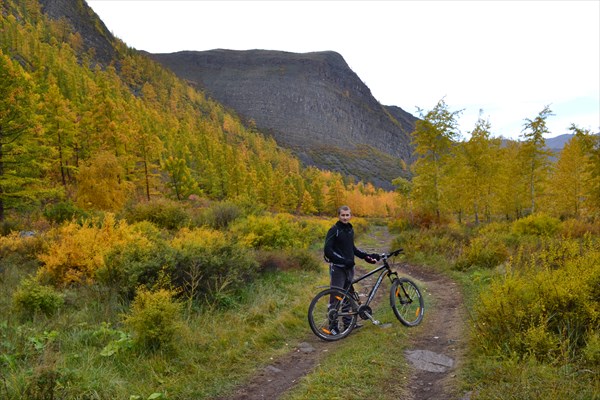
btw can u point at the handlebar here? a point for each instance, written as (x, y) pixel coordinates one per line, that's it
(385, 256)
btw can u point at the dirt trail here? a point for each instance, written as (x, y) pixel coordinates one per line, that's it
(435, 353)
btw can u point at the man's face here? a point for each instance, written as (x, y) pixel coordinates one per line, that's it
(345, 216)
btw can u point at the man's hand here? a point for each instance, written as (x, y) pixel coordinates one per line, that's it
(370, 260)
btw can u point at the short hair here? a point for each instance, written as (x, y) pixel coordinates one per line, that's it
(343, 208)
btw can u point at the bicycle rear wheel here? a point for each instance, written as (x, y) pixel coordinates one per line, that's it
(407, 302)
(332, 314)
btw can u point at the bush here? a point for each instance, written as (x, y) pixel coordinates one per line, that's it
(164, 213)
(277, 260)
(76, 252)
(154, 319)
(137, 262)
(442, 242)
(483, 252)
(537, 225)
(16, 244)
(31, 298)
(220, 215)
(576, 228)
(591, 351)
(63, 212)
(208, 264)
(398, 225)
(281, 231)
(546, 307)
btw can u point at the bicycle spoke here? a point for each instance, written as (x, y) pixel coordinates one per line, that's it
(407, 302)
(332, 314)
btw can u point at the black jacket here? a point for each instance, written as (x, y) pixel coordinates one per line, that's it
(339, 246)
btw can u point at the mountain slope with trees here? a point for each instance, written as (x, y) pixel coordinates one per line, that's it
(110, 130)
(312, 103)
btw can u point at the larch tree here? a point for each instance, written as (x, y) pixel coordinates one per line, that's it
(480, 155)
(17, 129)
(511, 183)
(535, 155)
(592, 168)
(570, 175)
(432, 139)
(60, 125)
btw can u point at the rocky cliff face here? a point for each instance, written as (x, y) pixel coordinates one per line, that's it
(96, 37)
(312, 103)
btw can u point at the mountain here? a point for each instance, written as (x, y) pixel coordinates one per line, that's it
(96, 37)
(557, 143)
(311, 103)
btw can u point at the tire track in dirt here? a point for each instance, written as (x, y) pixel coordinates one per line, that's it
(442, 333)
(438, 348)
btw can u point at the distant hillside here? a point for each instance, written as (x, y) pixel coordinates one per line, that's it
(312, 103)
(557, 143)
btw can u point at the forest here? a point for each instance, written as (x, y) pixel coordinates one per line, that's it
(137, 216)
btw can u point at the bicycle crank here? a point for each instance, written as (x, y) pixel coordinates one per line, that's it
(365, 313)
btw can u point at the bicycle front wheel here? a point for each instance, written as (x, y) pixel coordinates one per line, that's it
(407, 302)
(332, 314)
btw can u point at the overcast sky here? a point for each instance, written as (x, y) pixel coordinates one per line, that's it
(506, 58)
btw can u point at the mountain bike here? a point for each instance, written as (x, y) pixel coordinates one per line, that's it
(334, 312)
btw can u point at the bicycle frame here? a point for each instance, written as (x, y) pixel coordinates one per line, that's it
(342, 305)
(385, 272)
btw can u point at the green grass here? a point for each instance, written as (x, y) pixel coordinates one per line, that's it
(368, 364)
(62, 355)
(66, 355)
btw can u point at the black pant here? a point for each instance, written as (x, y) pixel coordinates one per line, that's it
(341, 277)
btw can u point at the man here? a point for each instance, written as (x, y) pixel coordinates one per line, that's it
(339, 251)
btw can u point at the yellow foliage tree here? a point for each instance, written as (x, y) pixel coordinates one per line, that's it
(101, 183)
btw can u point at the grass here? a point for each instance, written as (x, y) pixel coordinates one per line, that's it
(64, 356)
(368, 364)
(497, 373)
(82, 351)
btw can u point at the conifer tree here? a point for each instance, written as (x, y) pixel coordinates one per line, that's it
(101, 184)
(432, 139)
(336, 196)
(535, 155)
(17, 126)
(480, 155)
(181, 180)
(60, 124)
(570, 175)
(511, 183)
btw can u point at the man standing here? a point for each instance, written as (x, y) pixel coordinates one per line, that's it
(340, 250)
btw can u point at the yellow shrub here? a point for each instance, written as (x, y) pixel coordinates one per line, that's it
(14, 243)
(76, 251)
(209, 265)
(281, 231)
(155, 319)
(199, 237)
(546, 306)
